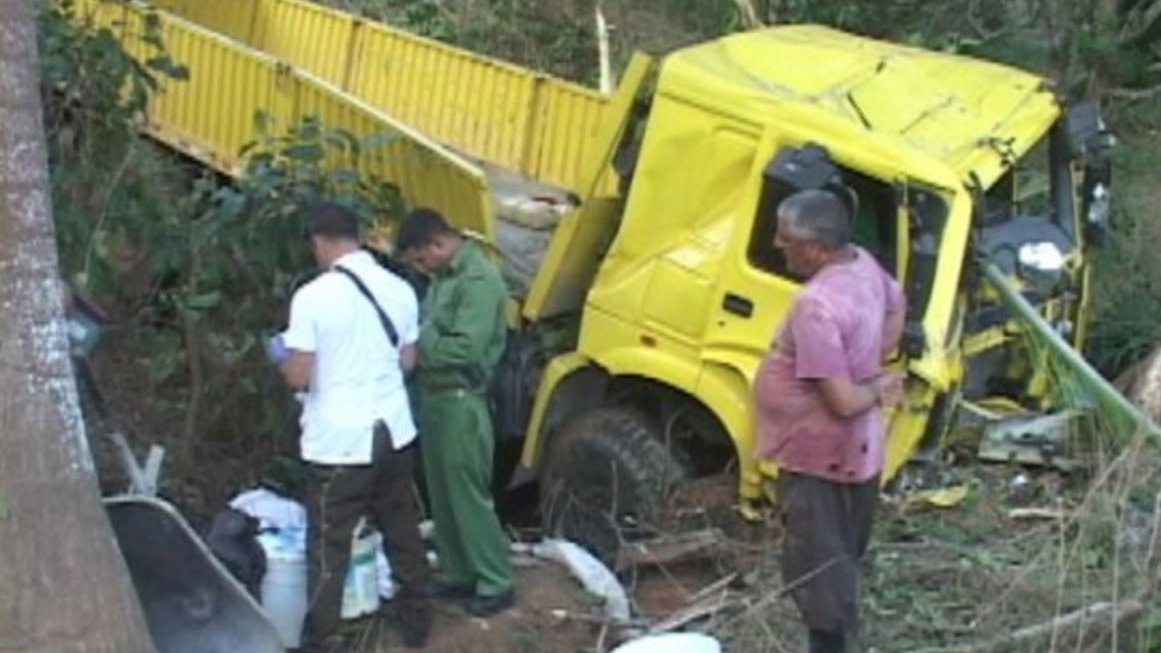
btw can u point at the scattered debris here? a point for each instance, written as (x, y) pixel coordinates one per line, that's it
(1036, 513)
(595, 576)
(717, 586)
(1035, 440)
(940, 498)
(670, 548)
(705, 608)
(1021, 638)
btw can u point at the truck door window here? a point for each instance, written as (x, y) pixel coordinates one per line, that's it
(875, 222)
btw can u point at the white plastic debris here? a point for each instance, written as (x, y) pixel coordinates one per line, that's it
(595, 576)
(361, 585)
(270, 509)
(672, 643)
(383, 572)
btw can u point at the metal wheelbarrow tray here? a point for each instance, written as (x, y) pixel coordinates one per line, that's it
(191, 602)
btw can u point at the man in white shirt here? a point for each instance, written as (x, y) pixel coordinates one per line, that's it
(351, 338)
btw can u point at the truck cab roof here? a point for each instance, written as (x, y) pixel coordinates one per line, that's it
(941, 105)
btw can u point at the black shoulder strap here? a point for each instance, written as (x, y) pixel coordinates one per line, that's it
(388, 326)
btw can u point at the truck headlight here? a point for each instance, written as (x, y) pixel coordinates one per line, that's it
(1041, 265)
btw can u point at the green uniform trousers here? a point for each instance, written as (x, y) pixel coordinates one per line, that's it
(457, 461)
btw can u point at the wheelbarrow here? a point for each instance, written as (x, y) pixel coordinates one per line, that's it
(191, 602)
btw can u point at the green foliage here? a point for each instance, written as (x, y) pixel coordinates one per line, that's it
(227, 257)
(196, 269)
(93, 91)
(91, 76)
(242, 243)
(1128, 283)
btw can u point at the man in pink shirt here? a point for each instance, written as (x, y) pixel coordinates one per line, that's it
(819, 396)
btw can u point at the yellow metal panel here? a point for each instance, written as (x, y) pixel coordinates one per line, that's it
(234, 19)
(511, 116)
(472, 103)
(567, 129)
(556, 371)
(198, 118)
(427, 174)
(726, 391)
(562, 282)
(931, 103)
(195, 115)
(306, 35)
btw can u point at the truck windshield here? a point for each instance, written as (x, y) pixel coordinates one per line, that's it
(1025, 190)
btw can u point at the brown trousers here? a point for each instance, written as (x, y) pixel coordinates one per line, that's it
(337, 496)
(827, 531)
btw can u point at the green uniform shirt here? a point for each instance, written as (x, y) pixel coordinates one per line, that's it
(463, 332)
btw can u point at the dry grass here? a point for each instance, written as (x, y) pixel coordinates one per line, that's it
(956, 579)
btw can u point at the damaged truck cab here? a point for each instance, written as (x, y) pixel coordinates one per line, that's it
(948, 158)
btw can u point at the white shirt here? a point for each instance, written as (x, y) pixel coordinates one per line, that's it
(356, 378)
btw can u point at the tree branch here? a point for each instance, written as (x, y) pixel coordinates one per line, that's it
(1135, 94)
(750, 15)
(1139, 22)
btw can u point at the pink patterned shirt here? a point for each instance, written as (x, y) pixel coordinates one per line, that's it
(835, 329)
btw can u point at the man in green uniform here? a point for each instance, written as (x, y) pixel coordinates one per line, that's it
(462, 337)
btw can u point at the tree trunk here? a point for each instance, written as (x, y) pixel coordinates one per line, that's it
(63, 584)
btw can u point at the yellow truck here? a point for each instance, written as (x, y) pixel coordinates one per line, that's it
(636, 228)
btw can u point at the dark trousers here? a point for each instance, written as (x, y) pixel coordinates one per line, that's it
(827, 531)
(337, 496)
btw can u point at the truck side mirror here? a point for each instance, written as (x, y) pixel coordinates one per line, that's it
(1088, 137)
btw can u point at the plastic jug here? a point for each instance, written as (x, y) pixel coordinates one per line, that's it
(284, 585)
(361, 587)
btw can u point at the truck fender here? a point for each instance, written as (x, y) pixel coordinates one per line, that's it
(728, 394)
(570, 384)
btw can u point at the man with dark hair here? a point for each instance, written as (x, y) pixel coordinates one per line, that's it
(819, 396)
(352, 335)
(460, 342)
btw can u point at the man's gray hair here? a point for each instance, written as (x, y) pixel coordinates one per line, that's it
(817, 215)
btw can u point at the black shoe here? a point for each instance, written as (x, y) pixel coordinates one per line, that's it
(415, 629)
(486, 606)
(452, 592)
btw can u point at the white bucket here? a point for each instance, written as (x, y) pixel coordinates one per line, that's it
(284, 589)
(672, 643)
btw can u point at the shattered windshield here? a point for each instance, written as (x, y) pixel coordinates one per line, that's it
(1026, 188)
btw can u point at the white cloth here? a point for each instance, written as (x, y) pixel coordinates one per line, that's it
(356, 378)
(270, 509)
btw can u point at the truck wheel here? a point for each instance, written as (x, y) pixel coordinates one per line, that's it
(606, 480)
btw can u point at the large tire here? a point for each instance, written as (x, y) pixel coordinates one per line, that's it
(606, 481)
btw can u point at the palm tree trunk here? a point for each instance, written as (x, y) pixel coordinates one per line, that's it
(63, 584)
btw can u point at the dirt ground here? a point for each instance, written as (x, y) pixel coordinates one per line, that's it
(553, 614)
(556, 615)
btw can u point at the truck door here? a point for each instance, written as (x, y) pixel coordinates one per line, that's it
(756, 288)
